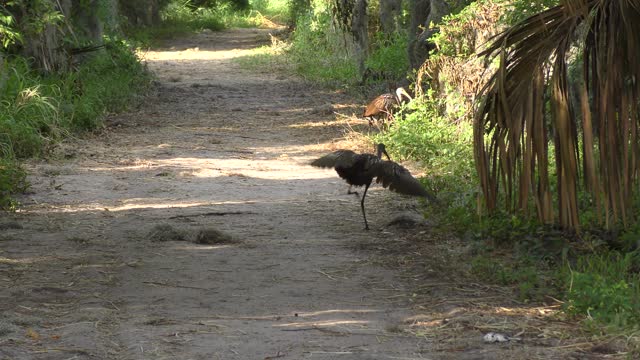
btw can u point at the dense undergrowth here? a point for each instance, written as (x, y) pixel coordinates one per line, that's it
(594, 273)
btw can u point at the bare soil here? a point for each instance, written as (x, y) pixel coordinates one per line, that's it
(193, 228)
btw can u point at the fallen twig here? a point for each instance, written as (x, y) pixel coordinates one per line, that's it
(327, 275)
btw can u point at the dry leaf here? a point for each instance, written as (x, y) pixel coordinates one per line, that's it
(32, 334)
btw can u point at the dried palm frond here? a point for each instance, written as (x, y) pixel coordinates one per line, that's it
(512, 131)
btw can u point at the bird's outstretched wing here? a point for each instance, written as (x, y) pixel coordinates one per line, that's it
(339, 158)
(397, 178)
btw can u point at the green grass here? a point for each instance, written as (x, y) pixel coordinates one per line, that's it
(178, 19)
(28, 111)
(531, 279)
(318, 54)
(443, 146)
(603, 288)
(389, 56)
(36, 110)
(105, 83)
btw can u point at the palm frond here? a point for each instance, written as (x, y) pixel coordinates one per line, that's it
(513, 132)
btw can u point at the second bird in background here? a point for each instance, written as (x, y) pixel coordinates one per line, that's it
(382, 107)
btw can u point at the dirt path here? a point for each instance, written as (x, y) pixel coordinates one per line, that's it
(83, 274)
(216, 147)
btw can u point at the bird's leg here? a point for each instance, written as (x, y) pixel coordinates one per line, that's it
(352, 192)
(390, 118)
(364, 215)
(378, 121)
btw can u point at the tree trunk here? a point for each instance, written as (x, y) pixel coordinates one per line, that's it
(359, 30)
(389, 13)
(423, 13)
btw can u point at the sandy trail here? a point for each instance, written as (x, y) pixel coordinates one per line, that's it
(216, 147)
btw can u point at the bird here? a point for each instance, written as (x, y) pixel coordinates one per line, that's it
(361, 169)
(383, 105)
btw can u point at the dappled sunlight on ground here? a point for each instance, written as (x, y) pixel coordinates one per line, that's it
(201, 248)
(323, 323)
(193, 54)
(24, 261)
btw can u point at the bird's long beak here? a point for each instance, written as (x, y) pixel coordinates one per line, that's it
(405, 93)
(381, 151)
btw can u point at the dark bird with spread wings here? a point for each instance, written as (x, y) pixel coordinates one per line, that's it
(361, 169)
